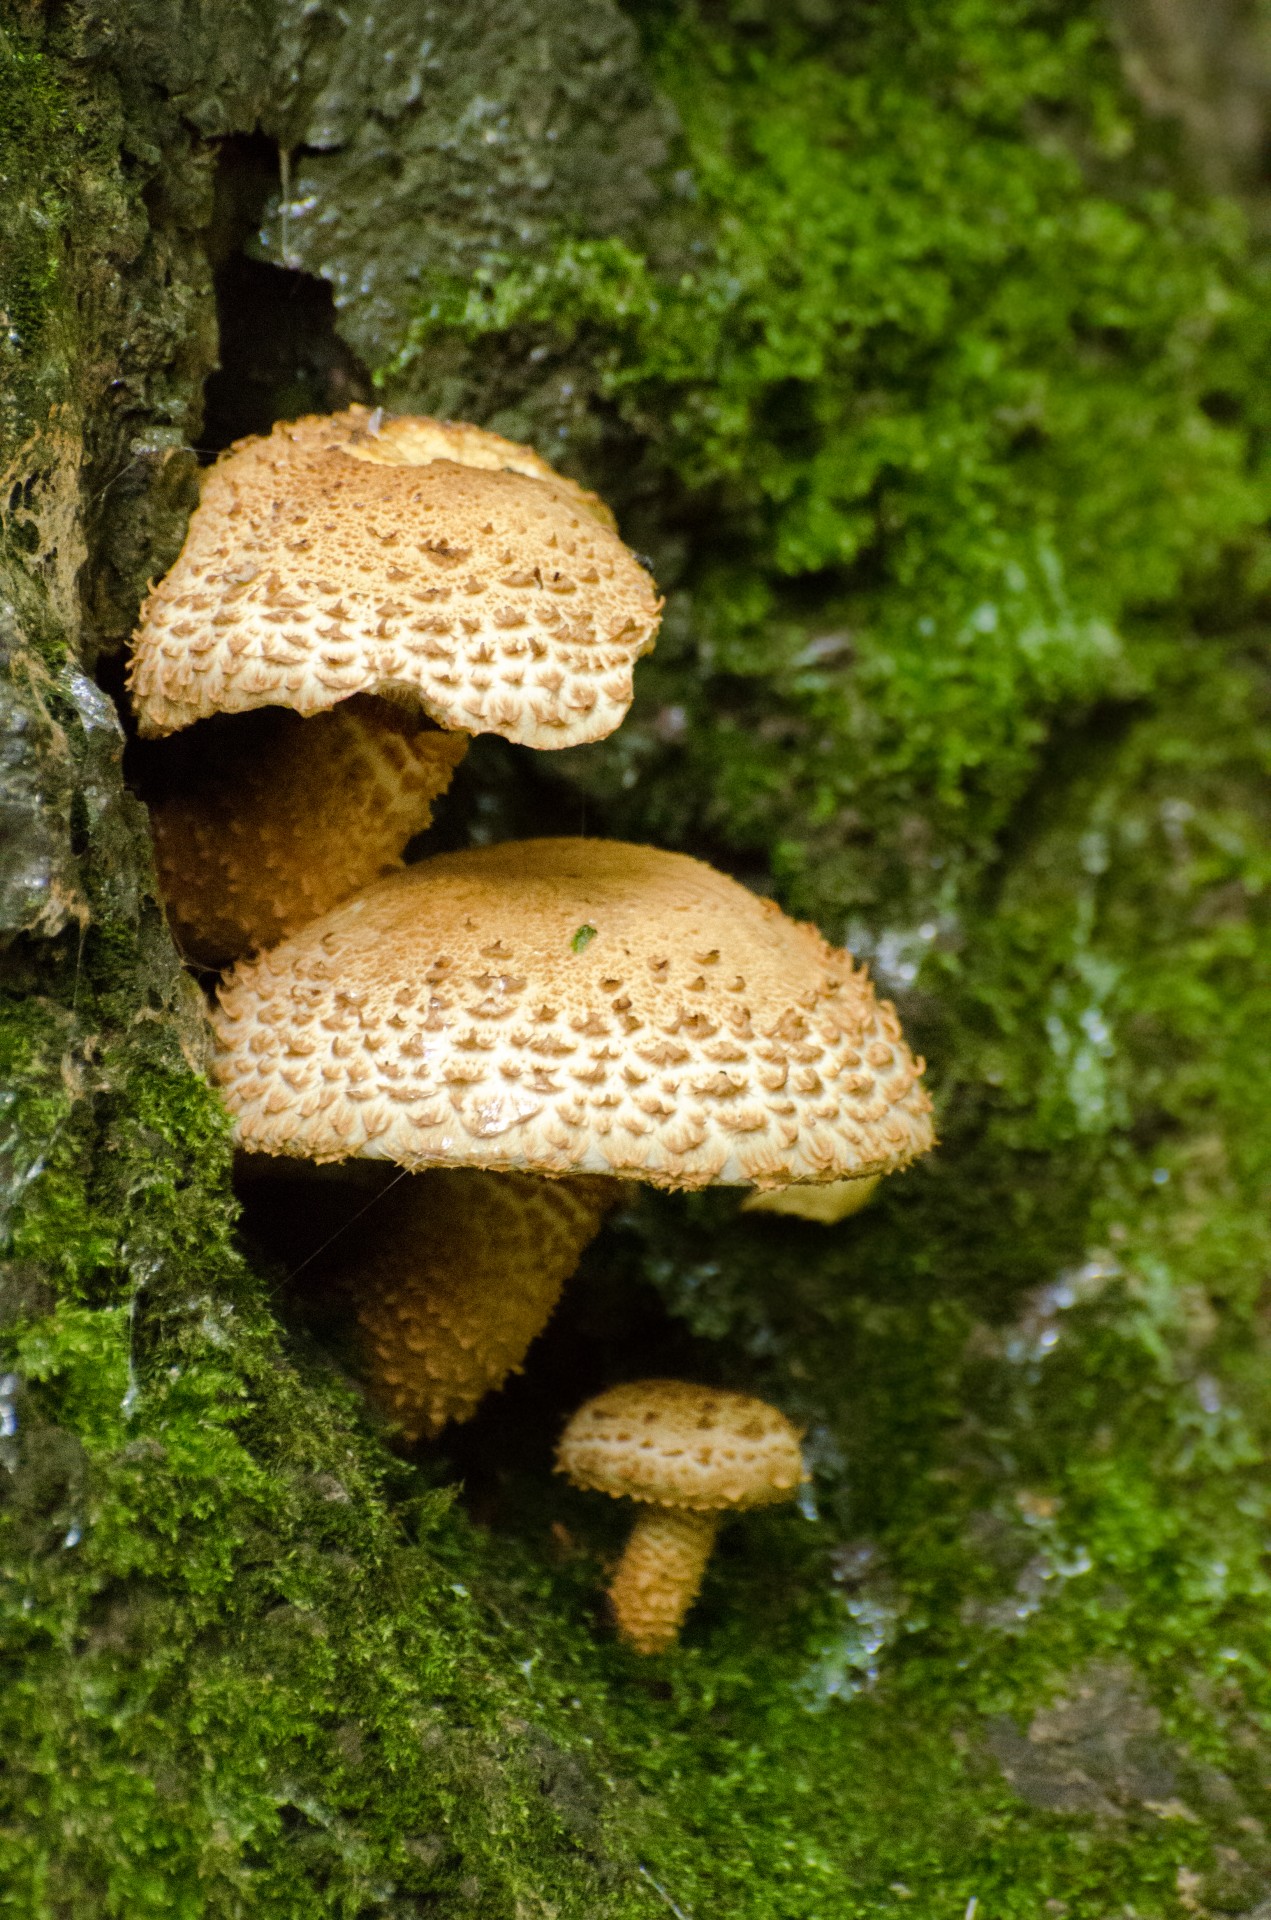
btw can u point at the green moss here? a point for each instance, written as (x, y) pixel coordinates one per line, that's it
(35, 117)
(944, 417)
(238, 1682)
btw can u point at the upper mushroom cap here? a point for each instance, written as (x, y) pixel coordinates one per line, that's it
(328, 560)
(570, 1006)
(676, 1445)
(415, 440)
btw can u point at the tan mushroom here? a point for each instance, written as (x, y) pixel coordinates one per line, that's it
(570, 1006)
(354, 555)
(565, 1007)
(837, 1200)
(689, 1454)
(335, 557)
(455, 1273)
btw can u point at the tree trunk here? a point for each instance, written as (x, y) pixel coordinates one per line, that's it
(933, 388)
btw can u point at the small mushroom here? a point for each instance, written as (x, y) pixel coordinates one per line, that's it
(690, 1454)
(563, 1007)
(837, 1200)
(457, 1272)
(350, 555)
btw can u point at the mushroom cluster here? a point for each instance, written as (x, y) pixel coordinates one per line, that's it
(521, 1028)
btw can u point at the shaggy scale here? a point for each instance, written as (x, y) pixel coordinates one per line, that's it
(265, 844)
(459, 1273)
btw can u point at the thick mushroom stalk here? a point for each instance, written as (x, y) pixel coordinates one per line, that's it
(689, 1454)
(436, 562)
(461, 1270)
(660, 1575)
(275, 830)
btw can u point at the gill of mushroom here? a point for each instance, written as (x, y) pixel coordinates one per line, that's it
(336, 566)
(688, 1455)
(450, 1016)
(827, 1205)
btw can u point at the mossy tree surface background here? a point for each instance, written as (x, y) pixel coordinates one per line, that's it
(907, 348)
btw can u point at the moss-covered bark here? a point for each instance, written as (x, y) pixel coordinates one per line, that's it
(241, 1677)
(903, 347)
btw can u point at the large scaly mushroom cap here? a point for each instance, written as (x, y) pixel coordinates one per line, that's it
(568, 1006)
(330, 559)
(701, 1449)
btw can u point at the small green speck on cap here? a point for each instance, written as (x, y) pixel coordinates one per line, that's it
(583, 938)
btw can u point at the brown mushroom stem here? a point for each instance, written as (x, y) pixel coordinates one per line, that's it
(261, 843)
(321, 562)
(461, 1270)
(660, 1575)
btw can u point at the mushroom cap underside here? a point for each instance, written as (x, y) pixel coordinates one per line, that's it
(672, 1444)
(827, 1205)
(563, 1006)
(494, 598)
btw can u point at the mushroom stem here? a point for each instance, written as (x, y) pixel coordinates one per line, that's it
(659, 1575)
(460, 1272)
(273, 832)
